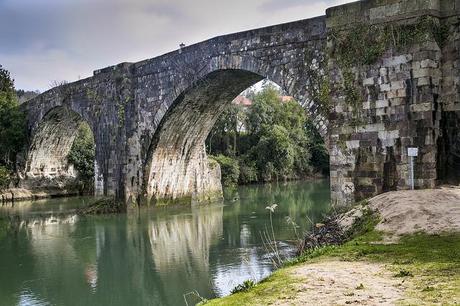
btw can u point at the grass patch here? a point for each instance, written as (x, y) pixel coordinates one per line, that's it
(403, 273)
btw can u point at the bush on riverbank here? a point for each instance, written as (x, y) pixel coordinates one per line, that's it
(230, 169)
(4, 178)
(271, 140)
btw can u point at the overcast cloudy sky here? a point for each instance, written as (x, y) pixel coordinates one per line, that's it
(46, 40)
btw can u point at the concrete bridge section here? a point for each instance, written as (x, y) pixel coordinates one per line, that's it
(372, 88)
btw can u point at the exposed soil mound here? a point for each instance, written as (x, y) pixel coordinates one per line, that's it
(432, 211)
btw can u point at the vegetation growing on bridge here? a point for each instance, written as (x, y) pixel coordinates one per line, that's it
(12, 128)
(365, 44)
(269, 141)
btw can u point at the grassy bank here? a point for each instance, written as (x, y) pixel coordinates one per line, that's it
(431, 264)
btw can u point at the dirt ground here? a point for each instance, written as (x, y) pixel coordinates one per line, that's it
(344, 283)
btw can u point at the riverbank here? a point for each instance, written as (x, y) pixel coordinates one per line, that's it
(405, 251)
(22, 194)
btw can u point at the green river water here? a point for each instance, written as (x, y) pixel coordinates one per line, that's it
(50, 256)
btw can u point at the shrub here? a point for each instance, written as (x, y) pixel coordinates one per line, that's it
(4, 178)
(245, 286)
(248, 172)
(229, 168)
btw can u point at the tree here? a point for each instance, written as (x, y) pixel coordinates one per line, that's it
(224, 137)
(12, 123)
(81, 156)
(280, 141)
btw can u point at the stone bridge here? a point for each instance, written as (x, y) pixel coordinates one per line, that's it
(376, 77)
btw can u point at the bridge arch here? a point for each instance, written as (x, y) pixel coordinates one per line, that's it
(176, 166)
(47, 166)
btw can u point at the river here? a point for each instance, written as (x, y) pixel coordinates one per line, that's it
(155, 256)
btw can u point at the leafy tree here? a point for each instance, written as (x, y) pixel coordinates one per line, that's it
(224, 137)
(274, 153)
(81, 156)
(319, 155)
(24, 95)
(12, 126)
(279, 141)
(248, 171)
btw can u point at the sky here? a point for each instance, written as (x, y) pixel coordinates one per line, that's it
(43, 41)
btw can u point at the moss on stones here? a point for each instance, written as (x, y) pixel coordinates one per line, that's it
(364, 44)
(103, 206)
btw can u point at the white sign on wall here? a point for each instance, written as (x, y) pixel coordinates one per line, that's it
(412, 152)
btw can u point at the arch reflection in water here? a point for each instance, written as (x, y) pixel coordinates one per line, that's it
(181, 246)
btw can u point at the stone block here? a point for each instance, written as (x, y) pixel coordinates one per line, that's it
(397, 85)
(428, 63)
(352, 144)
(381, 103)
(421, 72)
(368, 82)
(385, 87)
(423, 81)
(396, 60)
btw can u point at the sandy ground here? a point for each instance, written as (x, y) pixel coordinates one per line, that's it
(431, 211)
(344, 283)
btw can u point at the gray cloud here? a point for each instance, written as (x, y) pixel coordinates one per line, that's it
(273, 5)
(48, 40)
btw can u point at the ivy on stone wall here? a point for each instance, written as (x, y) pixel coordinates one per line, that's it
(124, 97)
(319, 87)
(365, 44)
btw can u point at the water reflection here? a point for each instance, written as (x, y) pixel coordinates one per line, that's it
(150, 257)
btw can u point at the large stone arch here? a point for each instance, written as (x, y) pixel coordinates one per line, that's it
(297, 83)
(176, 167)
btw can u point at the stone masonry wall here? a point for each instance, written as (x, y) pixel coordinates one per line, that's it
(394, 99)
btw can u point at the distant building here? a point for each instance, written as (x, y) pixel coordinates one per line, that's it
(242, 100)
(286, 99)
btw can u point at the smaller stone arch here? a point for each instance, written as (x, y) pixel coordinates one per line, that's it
(47, 167)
